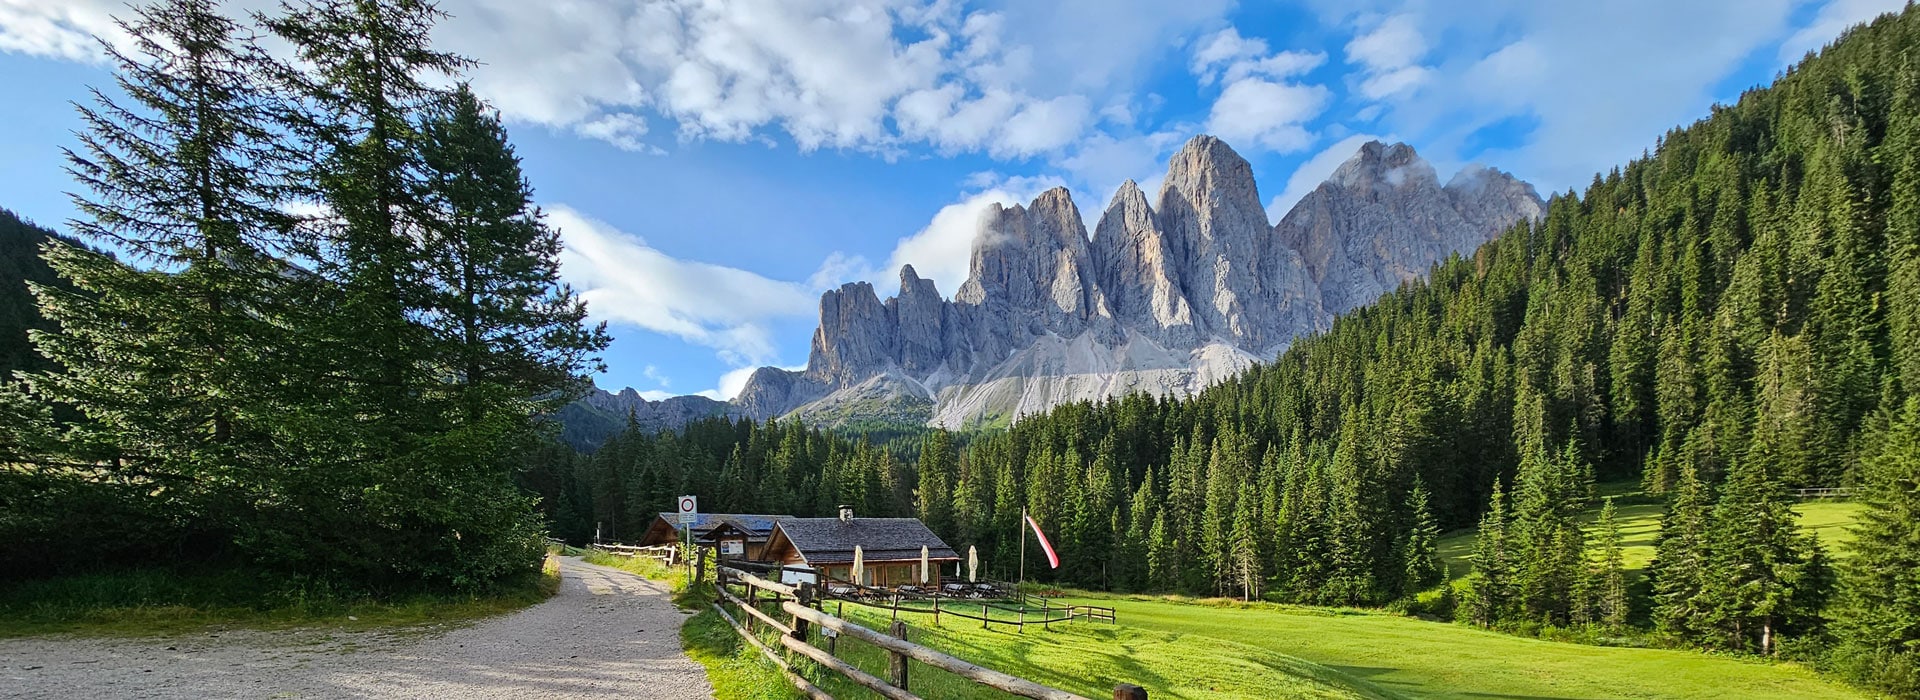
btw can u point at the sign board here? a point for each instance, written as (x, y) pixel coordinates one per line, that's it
(733, 548)
(689, 508)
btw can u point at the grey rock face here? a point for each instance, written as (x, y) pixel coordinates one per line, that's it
(589, 421)
(1383, 219)
(1166, 297)
(1138, 267)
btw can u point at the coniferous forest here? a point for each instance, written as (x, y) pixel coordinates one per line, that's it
(311, 321)
(317, 324)
(1731, 316)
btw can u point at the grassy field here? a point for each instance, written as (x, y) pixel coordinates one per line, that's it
(1222, 649)
(1087, 658)
(1409, 657)
(153, 601)
(1639, 520)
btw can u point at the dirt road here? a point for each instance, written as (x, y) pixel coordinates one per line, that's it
(607, 633)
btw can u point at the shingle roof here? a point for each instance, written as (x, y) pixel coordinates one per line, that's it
(760, 525)
(831, 540)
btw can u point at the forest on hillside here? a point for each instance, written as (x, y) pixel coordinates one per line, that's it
(1733, 315)
(311, 325)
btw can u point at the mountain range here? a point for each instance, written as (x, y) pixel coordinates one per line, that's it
(1168, 295)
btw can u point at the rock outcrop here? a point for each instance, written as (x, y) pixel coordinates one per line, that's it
(591, 420)
(1165, 297)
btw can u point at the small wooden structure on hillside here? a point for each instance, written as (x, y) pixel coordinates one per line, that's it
(735, 535)
(890, 548)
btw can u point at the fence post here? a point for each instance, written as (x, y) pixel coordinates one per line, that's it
(896, 607)
(753, 592)
(896, 661)
(983, 616)
(1046, 615)
(1023, 617)
(936, 607)
(1129, 691)
(804, 596)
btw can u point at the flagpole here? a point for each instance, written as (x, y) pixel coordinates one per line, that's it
(1023, 550)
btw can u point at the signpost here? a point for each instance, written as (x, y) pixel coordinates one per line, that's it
(689, 512)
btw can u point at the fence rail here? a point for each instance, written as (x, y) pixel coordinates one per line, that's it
(667, 553)
(801, 603)
(1828, 492)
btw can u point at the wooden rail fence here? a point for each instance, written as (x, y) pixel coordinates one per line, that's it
(1829, 492)
(801, 604)
(667, 553)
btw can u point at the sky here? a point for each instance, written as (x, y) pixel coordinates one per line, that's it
(713, 165)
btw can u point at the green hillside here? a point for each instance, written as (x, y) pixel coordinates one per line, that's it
(1639, 518)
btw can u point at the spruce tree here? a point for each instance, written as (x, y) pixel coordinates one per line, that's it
(1419, 552)
(1609, 603)
(178, 361)
(1491, 596)
(1764, 578)
(935, 498)
(1878, 619)
(516, 335)
(1679, 567)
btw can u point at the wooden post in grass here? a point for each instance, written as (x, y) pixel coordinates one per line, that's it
(1129, 691)
(936, 606)
(1046, 615)
(753, 593)
(1022, 629)
(983, 616)
(896, 661)
(805, 597)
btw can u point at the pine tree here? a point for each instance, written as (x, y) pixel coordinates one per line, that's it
(935, 499)
(1679, 567)
(1419, 551)
(1607, 589)
(516, 335)
(1878, 620)
(1243, 552)
(1491, 595)
(1764, 577)
(1164, 566)
(178, 367)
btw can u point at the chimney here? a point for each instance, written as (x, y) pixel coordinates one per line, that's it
(846, 514)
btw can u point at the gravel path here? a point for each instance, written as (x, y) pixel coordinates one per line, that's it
(607, 633)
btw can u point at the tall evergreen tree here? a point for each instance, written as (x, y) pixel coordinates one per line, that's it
(177, 366)
(1878, 620)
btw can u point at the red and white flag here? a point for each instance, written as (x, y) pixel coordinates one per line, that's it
(1045, 546)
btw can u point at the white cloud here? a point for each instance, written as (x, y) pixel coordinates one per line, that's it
(1389, 54)
(1315, 171)
(59, 29)
(1268, 114)
(1225, 55)
(1836, 16)
(653, 373)
(625, 281)
(943, 250)
(1011, 80)
(622, 129)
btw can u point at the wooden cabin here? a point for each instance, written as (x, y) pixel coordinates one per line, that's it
(749, 531)
(890, 548)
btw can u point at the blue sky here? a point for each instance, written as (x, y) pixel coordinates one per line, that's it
(715, 164)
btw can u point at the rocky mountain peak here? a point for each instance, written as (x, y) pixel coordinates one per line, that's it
(1379, 165)
(1383, 218)
(1168, 295)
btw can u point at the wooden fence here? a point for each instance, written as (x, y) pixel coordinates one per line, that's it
(1830, 492)
(801, 602)
(667, 553)
(1023, 609)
